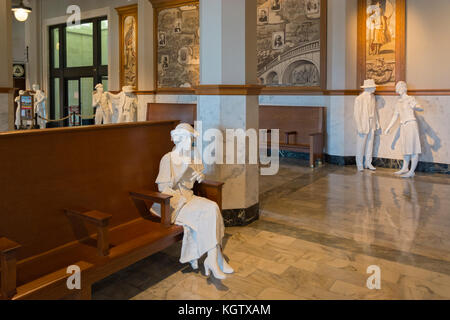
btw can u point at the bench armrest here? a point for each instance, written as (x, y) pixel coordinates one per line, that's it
(8, 263)
(141, 197)
(100, 220)
(152, 196)
(211, 190)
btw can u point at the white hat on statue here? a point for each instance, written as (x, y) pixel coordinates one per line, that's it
(369, 84)
(184, 129)
(99, 86)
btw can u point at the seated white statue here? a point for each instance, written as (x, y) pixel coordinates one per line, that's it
(201, 218)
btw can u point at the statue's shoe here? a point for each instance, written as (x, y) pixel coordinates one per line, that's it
(194, 264)
(210, 266)
(370, 167)
(360, 168)
(409, 175)
(223, 264)
(401, 172)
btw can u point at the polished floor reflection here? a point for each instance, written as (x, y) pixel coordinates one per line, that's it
(319, 232)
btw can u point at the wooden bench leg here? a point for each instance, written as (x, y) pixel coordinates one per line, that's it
(8, 263)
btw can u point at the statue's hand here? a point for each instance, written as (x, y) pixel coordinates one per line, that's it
(386, 132)
(198, 176)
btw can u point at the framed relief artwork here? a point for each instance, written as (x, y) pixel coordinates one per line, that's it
(128, 41)
(291, 44)
(381, 42)
(177, 58)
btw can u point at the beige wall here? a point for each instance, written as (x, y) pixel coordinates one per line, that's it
(428, 44)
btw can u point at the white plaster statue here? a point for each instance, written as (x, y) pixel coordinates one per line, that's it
(125, 105)
(200, 217)
(100, 100)
(409, 130)
(367, 123)
(17, 100)
(39, 106)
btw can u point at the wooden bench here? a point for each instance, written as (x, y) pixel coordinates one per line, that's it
(79, 197)
(302, 129)
(186, 113)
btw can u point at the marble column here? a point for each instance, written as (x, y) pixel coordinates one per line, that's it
(6, 78)
(227, 71)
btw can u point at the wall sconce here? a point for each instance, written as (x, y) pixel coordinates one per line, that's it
(21, 11)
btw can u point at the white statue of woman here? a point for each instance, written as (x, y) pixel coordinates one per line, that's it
(366, 119)
(100, 100)
(409, 132)
(200, 217)
(39, 106)
(17, 100)
(125, 105)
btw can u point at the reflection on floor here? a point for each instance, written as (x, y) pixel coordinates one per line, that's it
(319, 232)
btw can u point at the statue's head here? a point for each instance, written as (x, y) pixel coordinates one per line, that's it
(183, 136)
(99, 88)
(21, 92)
(401, 87)
(35, 87)
(128, 90)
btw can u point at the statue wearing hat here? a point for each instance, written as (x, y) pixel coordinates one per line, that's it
(125, 105)
(409, 130)
(201, 218)
(100, 100)
(367, 123)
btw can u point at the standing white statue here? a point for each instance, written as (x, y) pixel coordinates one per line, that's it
(100, 100)
(367, 123)
(17, 100)
(125, 105)
(409, 130)
(39, 106)
(201, 218)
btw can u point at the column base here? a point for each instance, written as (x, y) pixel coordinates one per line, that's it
(240, 217)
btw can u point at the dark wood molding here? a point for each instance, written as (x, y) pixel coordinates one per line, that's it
(176, 91)
(229, 90)
(7, 90)
(169, 3)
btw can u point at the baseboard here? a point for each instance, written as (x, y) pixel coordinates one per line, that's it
(240, 217)
(426, 167)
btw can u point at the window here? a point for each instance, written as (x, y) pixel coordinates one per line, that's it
(78, 61)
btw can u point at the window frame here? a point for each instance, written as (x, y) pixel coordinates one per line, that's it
(97, 71)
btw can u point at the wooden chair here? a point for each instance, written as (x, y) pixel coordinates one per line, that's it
(68, 199)
(302, 129)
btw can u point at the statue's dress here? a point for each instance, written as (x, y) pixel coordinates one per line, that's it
(409, 132)
(201, 218)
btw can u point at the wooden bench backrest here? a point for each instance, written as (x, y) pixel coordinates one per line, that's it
(43, 172)
(303, 120)
(186, 113)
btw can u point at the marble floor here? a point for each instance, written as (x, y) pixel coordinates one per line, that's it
(318, 233)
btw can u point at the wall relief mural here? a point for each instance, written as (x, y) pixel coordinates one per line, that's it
(178, 41)
(381, 41)
(128, 26)
(289, 42)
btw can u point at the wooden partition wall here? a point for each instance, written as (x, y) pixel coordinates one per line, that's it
(186, 113)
